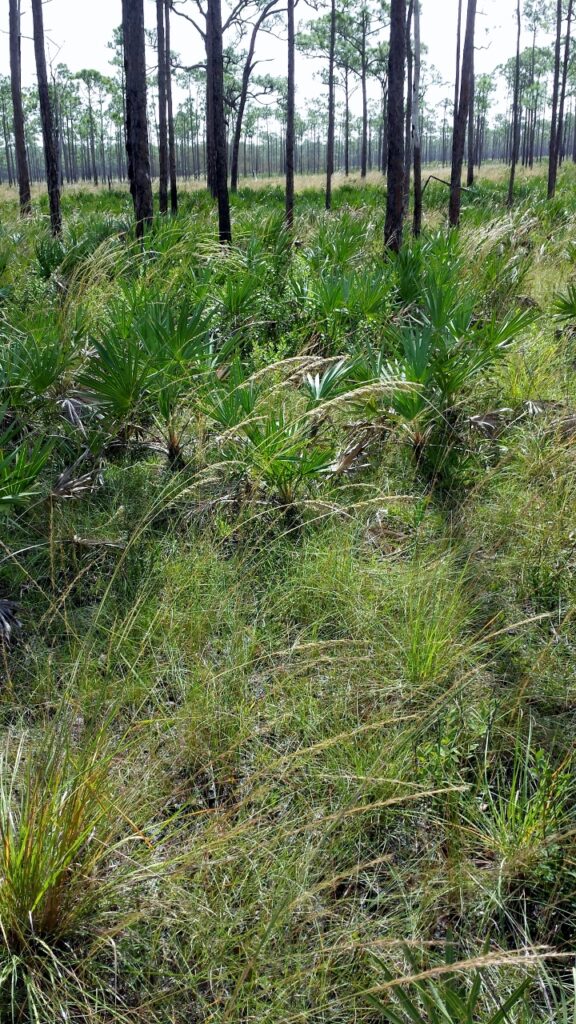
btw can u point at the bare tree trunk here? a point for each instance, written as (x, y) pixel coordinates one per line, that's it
(470, 174)
(346, 122)
(47, 118)
(533, 111)
(364, 84)
(92, 139)
(408, 116)
(462, 118)
(560, 127)
(516, 109)
(242, 100)
(331, 106)
(162, 108)
(137, 149)
(416, 140)
(216, 85)
(458, 59)
(237, 137)
(290, 118)
(7, 151)
(210, 146)
(384, 155)
(171, 139)
(19, 129)
(395, 178)
(553, 149)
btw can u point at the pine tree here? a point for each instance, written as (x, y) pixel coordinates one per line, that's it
(136, 114)
(395, 178)
(462, 116)
(47, 118)
(290, 105)
(18, 110)
(215, 85)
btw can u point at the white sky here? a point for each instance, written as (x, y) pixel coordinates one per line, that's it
(77, 32)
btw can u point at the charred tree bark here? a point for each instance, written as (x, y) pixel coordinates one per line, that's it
(162, 108)
(216, 87)
(137, 149)
(364, 88)
(247, 70)
(18, 109)
(462, 117)
(395, 180)
(516, 109)
(470, 174)
(409, 100)
(331, 107)
(92, 134)
(553, 148)
(346, 122)
(290, 101)
(210, 136)
(560, 128)
(171, 135)
(416, 140)
(384, 154)
(47, 118)
(458, 59)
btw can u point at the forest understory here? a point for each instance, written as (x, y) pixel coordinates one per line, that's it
(287, 585)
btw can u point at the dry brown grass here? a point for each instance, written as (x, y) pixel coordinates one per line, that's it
(303, 182)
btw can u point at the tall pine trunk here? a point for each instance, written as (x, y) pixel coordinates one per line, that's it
(210, 139)
(516, 109)
(462, 117)
(237, 137)
(331, 107)
(364, 85)
(243, 98)
(458, 60)
(171, 136)
(395, 178)
(470, 174)
(416, 140)
(553, 148)
(137, 149)
(384, 154)
(47, 118)
(560, 128)
(19, 129)
(216, 87)
(408, 115)
(290, 100)
(92, 134)
(162, 108)
(346, 122)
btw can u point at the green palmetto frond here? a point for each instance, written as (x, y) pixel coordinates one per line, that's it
(239, 296)
(333, 382)
(118, 375)
(231, 401)
(50, 253)
(172, 332)
(565, 305)
(280, 453)
(21, 463)
(34, 366)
